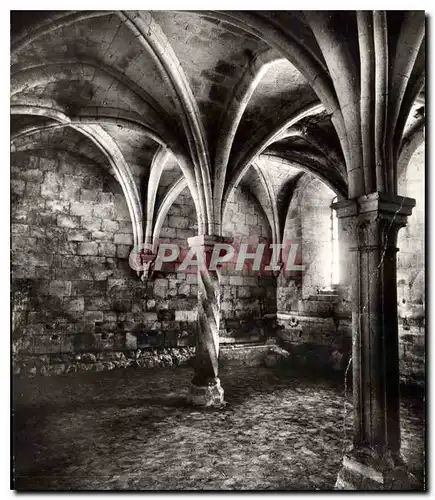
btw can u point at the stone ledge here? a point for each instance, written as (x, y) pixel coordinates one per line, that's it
(64, 364)
(312, 318)
(250, 355)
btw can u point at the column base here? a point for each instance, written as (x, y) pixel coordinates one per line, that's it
(209, 395)
(361, 470)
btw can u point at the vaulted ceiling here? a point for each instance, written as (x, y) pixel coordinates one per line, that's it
(203, 99)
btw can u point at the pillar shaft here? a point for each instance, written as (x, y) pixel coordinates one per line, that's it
(205, 388)
(372, 223)
(207, 340)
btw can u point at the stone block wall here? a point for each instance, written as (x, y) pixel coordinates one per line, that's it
(318, 334)
(411, 271)
(308, 224)
(324, 342)
(248, 297)
(77, 304)
(411, 241)
(412, 351)
(317, 330)
(316, 242)
(316, 342)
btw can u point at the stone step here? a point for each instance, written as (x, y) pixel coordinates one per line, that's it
(324, 297)
(247, 354)
(233, 345)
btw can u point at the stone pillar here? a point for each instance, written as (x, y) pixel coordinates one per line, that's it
(374, 461)
(205, 389)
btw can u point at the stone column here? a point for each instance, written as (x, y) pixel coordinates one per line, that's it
(374, 461)
(205, 389)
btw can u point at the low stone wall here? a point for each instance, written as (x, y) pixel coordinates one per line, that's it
(247, 329)
(325, 343)
(64, 364)
(245, 355)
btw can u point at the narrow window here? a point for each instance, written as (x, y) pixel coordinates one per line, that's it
(334, 247)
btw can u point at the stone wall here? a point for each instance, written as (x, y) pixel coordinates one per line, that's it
(313, 327)
(323, 341)
(411, 270)
(411, 255)
(77, 304)
(308, 224)
(316, 342)
(315, 200)
(248, 296)
(316, 328)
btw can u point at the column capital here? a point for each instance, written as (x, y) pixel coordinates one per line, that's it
(375, 204)
(208, 240)
(373, 220)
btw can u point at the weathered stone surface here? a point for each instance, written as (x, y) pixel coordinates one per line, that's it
(66, 221)
(60, 164)
(81, 235)
(88, 248)
(276, 356)
(209, 395)
(244, 298)
(88, 358)
(105, 358)
(93, 316)
(275, 438)
(363, 471)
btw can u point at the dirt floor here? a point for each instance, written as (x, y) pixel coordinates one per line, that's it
(131, 429)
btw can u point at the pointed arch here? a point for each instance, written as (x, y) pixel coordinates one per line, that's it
(27, 76)
(259, 142)
(254, 72)
(53, 23)
(316, 137)
(311, 164)
(154, 41)
(410, 143)
(157, 165)
(108, 147)
(295, 51)
(270, 193)
(175, 190)
(346, 82)
(100, 118)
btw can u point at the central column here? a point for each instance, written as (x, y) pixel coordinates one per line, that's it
(205, 389)
(374, 461)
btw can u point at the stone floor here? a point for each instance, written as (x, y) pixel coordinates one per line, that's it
(131, 429)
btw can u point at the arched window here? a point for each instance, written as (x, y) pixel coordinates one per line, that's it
(335, 266)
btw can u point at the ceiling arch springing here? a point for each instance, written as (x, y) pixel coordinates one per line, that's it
(216, 90)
